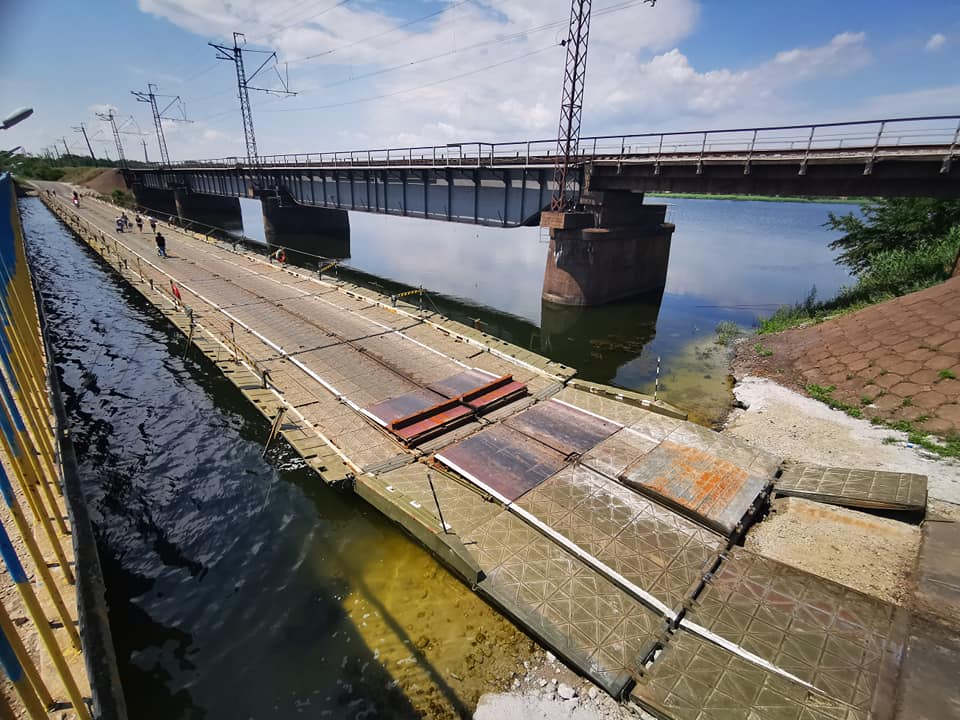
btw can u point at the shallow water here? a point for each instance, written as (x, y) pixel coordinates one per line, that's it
(240, 587)
(730, 261)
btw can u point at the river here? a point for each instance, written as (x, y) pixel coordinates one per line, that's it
(240, 586)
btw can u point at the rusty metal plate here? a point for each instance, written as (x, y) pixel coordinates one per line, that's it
(402, 406)
(504, 461)
(432, 421)
(693, 679)
(563, 427)
(460, 383)
(845, 644)
(711, 490)
(854, 488)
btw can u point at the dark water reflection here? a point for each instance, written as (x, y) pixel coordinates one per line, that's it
(228, 575)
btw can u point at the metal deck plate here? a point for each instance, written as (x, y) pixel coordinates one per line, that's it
(503, 460)
(854, 488)
(612, 456)
(651, 546)
(404, 405)
(595, 626)
(462, 382)
(708, 488)
(693, 679)
(844, 643)
(564, 428)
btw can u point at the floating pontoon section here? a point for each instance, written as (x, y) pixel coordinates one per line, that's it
(870, 489)
(562, 427)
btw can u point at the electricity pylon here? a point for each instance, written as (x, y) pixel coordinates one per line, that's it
(158, 115)
(110, 117)
(235, 55)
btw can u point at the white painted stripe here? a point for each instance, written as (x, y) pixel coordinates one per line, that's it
(587, 412)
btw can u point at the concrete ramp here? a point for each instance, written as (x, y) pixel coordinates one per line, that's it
(869, 489)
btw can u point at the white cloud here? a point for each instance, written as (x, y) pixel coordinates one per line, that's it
(936, 41)
(103, 108)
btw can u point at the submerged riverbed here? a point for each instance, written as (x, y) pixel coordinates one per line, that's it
(730, 261)
(238, 586)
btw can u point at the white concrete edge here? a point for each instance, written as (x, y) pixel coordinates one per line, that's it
(587, 412)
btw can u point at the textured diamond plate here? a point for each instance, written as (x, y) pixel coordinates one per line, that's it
(709, 488)
(612, 456)
(846, 644)
(693, 679)
(563, 428)
(586, 619)
(653, 547)
(504, 460)
(854, 488)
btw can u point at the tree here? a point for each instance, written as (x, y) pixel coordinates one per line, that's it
(908, 224)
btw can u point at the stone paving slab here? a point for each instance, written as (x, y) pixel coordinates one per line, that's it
(693, 679)
(854, 487)
(898, 360)
(846, 644)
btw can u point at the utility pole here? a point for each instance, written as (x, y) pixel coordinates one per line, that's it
(66, 150)
(145, 158)
(158, 115)
(83, 129)
(571, 107)
(110, 117)
(235, 55)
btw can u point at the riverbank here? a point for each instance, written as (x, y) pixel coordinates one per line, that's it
(763, 198)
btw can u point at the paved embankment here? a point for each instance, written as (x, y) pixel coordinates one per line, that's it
(898, 360)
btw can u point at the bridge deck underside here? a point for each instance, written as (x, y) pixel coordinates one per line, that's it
(505, 197)
(591, 554)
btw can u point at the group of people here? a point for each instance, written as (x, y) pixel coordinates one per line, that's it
(123, 223)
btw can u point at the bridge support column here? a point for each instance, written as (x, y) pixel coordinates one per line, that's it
(617, 249)
(152, 201)
(221, 212)
(310, 231)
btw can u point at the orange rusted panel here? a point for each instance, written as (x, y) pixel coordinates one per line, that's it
(705, 487)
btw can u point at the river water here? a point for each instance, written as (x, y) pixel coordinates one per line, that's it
(240, 586)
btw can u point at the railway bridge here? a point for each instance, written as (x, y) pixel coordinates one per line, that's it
(617, 245)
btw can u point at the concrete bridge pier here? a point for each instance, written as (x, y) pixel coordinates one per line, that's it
(306, 232)
(220, 212)
(152, 201)
(616, 248)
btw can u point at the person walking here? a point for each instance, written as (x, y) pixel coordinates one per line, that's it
(139, 221)
(153, 223)
(161, 245)
(119, 222)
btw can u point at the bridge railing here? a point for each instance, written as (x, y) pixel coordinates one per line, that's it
(859, 138)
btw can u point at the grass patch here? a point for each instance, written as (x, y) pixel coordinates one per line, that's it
(945, 447)
(762, 351)
(907, 402)
(947, 375)
(865, 400)
(727, 331)
(824, 393)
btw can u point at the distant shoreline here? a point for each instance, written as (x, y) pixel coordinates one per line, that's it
(764, 198)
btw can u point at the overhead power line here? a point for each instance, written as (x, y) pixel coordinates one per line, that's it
(158, 115)
(235, 55)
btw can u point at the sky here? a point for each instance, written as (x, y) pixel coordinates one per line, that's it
(395, 73)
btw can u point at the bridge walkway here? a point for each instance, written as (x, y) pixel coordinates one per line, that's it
(604, 529)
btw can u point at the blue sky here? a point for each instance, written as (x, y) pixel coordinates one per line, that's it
(680, 65)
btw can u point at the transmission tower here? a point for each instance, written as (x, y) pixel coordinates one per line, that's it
(571, 107)
(158, 115)
(111, 118)
(65, 146)
(235, 54)
(83, 129)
